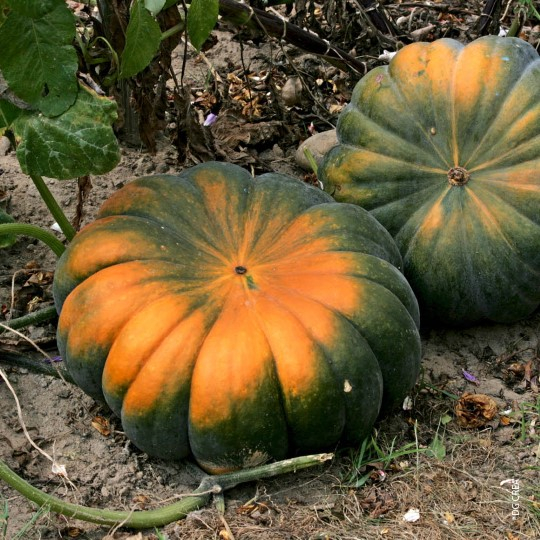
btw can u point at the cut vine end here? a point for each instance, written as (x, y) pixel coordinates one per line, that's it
(458, 176)
(240, 270)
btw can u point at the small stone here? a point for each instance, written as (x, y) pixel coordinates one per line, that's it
(5, 145)
(64, 393)
(318, 144)
(278, 151)
(292, 91)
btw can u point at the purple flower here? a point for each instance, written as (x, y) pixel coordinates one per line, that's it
(470, 377)
(210, 119)
(52, 359)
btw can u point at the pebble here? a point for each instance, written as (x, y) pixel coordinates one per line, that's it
(64, 393)
(318, 145)
(292, 91)
(5, 145)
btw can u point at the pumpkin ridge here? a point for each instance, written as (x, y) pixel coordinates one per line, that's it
(526, 186)
(493, 82)
(322, 350)
(258, 240)
(390, 135)
(280, 392)
(200, 244)
(128, 211)
(496, 222)
(424, 168)
(421, 127)
(122, 388)
(493, 163)
(500, 111)
(295, 292)
(434, 204)
(341, 376)
(389, 363)
(398, 199)
(228, 231)
(414, 211)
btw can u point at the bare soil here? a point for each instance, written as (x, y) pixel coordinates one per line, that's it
(465, 483)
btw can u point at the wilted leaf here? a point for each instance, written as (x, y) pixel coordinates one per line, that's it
(448, 518)
(80, 141)
(73, 532)
(201, 19)
(38, 59)
(102, 425)
(475, 410)
(143, 36)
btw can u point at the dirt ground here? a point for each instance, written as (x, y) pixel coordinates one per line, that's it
(425, 475)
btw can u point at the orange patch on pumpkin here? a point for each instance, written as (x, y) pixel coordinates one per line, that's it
(140, 337)
(103, 248)
(162, 370)
(111, 295)
(235, 358)
(296, 356)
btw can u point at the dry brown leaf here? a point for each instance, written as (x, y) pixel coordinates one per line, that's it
(102, 425)
(475, 410)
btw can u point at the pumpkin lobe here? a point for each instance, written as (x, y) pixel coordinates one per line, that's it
(458, 176)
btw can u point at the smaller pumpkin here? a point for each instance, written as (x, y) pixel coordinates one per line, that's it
(235, 318)
(443, 148)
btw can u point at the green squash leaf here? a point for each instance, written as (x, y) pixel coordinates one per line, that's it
(4, 8)
(143, 37)
(8, 114)
(154, 6)
(38, 60)
(80, 141)
(201, 19)
(6, 240)
(437, 448)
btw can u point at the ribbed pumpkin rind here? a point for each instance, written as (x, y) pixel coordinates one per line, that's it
(291, 353)
(470, 252)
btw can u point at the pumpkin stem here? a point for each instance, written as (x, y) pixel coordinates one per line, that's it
(240, 270)
(145, 519)
(35, 232)
(458, 176)
(34, 317)
(53, 206)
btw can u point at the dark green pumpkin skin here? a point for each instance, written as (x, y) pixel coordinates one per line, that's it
(443, 148)
(235, 318)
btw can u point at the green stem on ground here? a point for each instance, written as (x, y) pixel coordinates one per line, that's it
(35, 365)
(144, 519)
(35, 232)
(35, 317)
(517, 23)
(180, 27)
(54, 207)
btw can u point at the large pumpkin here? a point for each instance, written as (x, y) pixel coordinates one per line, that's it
(443, 148)
(236, 318)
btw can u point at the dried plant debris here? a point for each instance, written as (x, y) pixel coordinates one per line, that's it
(475, 410)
